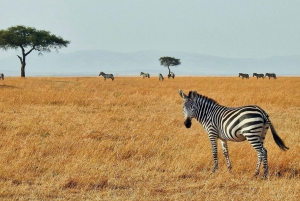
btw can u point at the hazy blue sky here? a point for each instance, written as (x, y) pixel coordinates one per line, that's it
(231, 28)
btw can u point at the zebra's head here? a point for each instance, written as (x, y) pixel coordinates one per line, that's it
(188, 106)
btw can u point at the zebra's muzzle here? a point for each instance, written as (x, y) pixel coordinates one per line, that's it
(188, 123)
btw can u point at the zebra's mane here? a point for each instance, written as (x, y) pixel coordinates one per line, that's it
(203, 97)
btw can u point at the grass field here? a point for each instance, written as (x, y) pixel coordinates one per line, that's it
(82, 138)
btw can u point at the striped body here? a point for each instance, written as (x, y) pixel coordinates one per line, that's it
(1, 76)
(258, 75)
(223, 123)
(171, 75)
(273, 75)
(160, 77)
(111, 76)
(145, 75)
(244, 75)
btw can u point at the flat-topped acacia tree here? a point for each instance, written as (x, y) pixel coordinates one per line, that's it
(29, 39)
(169, 61)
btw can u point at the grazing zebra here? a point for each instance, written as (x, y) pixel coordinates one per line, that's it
(171, 74)
(145, 75)
(244, 75)
(258, 75)
(160, 77)
(273, 75)
(111, 76)
(1, 76)
(230, 124)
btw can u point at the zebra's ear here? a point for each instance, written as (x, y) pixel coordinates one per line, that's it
(182, 95)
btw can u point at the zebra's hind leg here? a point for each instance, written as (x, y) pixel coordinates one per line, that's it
(265, 162)
(226, 155)
(262, 157)
(264, 152)
(258, 165)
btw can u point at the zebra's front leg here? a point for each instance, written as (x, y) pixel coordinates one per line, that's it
(215, 154)
(226, 155)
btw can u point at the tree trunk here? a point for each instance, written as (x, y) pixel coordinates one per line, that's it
(23, 64)
(169, 70)
(23, 69)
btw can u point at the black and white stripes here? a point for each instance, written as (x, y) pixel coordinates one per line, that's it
(244, 75)
(273, 75)
(230, 124)
(111, 76)
(145, 75)
(171, 75)
(160, 77)
(258, 75)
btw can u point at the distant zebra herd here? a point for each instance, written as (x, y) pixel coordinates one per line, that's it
(160, 76)
(147, 75)
(172, 75)
(257, 75)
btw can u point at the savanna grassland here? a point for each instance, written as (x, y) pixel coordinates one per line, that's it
(83, 138)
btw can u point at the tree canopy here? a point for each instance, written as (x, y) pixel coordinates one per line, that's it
(29, 39)
(169, 61)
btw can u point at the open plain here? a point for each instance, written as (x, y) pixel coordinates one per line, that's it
(83, 138)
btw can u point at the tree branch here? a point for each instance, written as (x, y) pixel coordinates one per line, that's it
(20, 58)
(33, 48)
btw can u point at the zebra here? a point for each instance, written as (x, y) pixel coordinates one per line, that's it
(160, 77)
(171, 74)
(273, 75)
(244, 75)
(230, 124)
(145, 75)
(1, 76)
(111, 76)
(258, 75)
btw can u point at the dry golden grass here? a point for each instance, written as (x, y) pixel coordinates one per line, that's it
(86, 139)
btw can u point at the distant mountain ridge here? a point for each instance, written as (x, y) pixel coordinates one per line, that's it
(91, 62)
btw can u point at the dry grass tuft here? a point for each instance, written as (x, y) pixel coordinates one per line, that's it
(86, 139)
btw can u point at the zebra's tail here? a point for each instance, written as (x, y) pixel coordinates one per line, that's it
(277, 139)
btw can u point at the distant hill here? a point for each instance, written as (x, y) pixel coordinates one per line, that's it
(91, 62)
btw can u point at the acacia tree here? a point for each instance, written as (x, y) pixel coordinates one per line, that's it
(169, 61)
(31, 39)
